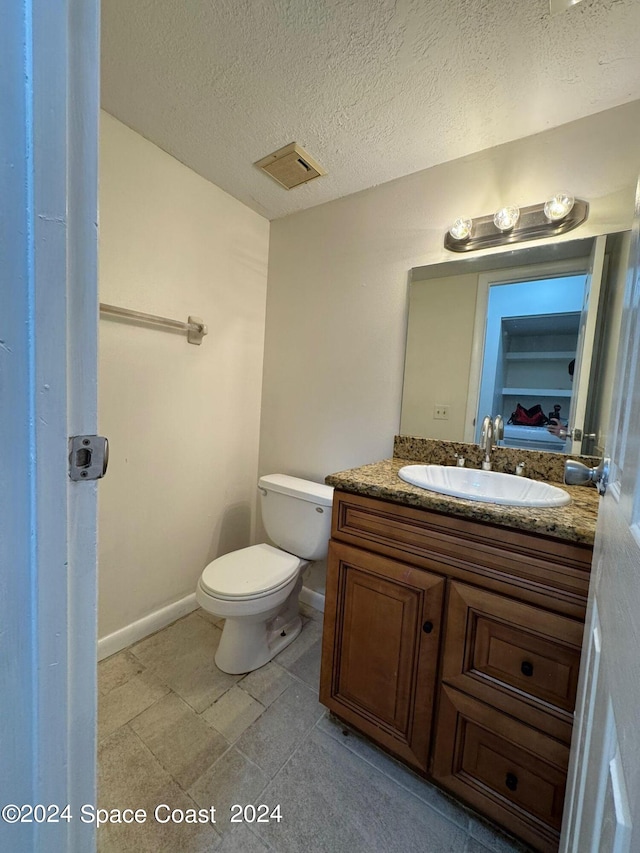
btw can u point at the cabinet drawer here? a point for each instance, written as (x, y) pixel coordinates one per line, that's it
(508, 653)
(510, 772)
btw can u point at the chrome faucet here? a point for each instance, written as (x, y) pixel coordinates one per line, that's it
(486, 442)
(498, 429)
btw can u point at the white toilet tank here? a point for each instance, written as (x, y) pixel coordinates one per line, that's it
(297, 514)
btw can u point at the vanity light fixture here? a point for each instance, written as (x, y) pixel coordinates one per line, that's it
(558, 206)
(507, 217)
(461, 229)
(510, 224)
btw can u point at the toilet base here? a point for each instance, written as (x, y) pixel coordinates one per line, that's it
(249, 642)
(245, 647)
(283, 635)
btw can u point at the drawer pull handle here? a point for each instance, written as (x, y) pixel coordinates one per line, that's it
(511, 781)
(526, 668)
(427, 627)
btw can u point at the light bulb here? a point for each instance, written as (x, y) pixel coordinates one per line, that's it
(461, 229)
(506, 218)
(558, 207)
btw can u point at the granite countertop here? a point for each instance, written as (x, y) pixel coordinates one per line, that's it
(575, 522)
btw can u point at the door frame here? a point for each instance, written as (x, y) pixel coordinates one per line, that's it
(486, 280)
(49, 113)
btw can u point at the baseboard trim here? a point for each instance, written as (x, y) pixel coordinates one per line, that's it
(140, 629)
(313, 598)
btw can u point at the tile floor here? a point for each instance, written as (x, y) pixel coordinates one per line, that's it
(175, 730)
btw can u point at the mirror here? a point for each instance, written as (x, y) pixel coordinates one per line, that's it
(471, 347)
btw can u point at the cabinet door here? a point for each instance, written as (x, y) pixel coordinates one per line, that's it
(380, 648)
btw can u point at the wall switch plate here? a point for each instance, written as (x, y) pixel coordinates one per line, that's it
(440, 412)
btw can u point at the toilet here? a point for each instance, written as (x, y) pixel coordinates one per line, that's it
(256, 589)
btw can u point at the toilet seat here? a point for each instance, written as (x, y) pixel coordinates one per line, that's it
(253, 572)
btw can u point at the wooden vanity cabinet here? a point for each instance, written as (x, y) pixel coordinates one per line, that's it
(485, 623)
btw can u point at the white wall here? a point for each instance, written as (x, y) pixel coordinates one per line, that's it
(338, 273)
(182, 420)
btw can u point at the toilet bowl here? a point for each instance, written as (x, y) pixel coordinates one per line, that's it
(255, 590)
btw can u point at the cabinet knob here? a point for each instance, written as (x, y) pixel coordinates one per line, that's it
(526, 668)
(427, 627)
(511, 781)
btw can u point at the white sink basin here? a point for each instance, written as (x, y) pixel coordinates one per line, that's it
(488, 486)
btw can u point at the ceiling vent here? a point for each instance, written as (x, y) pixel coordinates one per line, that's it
(290, 166)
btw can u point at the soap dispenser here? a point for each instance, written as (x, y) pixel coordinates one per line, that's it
(555, 414)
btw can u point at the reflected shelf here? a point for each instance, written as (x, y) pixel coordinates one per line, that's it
(539, 356)
(537, 392)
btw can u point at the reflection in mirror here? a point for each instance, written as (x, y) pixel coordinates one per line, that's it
(526, 356)
(528, 334)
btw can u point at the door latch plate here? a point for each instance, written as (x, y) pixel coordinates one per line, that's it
(88, 457)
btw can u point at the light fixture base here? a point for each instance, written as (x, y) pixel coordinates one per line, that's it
(532, 225)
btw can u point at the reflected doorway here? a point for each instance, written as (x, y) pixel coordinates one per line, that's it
(528, 354)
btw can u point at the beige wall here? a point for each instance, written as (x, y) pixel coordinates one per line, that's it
(183, 421)
(442, 314)
(337, 298)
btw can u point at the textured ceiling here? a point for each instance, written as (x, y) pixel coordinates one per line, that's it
(373, 89)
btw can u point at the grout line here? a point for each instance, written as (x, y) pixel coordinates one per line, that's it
(146, 748)
(175, 781)
(264, 841)
(208, 770)
(343, 742)
(122, 652)
(217, 731)
(135, 716)
(156, 758)
(257, 766)
(299, 680)
(303, 739)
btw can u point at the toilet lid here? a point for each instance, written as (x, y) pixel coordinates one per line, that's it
(249, 572)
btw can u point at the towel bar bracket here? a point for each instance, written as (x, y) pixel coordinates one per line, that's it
(196, 331)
